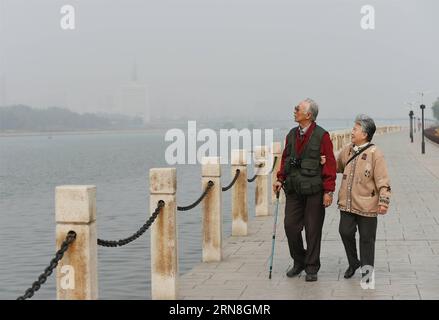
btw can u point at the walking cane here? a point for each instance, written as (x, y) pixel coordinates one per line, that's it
(274, 234)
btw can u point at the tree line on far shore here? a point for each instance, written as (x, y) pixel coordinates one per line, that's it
(25, 118)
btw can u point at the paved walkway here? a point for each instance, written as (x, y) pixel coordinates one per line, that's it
(407, 246)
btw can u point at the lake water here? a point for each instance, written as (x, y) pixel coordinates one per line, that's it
(118, 164)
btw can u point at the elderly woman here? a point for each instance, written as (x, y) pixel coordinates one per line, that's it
(364, 194)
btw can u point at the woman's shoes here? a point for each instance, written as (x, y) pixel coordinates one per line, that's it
(350, 271)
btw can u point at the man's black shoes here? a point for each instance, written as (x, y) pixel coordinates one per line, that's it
(295, 270)
(311, 277)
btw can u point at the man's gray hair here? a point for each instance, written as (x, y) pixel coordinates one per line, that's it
(367, 124)
(313, 108)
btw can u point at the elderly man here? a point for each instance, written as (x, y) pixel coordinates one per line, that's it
(364, 194)
(308, 186)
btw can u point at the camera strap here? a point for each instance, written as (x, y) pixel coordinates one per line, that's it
(358, 153)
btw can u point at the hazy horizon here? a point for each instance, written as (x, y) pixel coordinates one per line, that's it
(248, 58)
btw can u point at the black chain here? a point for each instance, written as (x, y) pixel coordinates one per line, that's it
(209, 185)
(233, 181)
(274, 164)
(148, 223)
(254, 178)
(71, 236)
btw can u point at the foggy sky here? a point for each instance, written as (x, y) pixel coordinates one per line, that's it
(237, 57)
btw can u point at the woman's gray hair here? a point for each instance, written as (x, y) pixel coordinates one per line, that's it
(367, 124)
(313, 108)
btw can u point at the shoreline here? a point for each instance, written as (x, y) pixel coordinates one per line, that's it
(83, 132)
(49, 134)
(6, 134)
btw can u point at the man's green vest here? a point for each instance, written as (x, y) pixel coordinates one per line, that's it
(305, 176)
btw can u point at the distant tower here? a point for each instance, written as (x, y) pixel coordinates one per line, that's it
(3, 99)
(133, 97)
(134, 78)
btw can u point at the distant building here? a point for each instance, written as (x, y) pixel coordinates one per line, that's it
(3, 99)
(133, 98)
